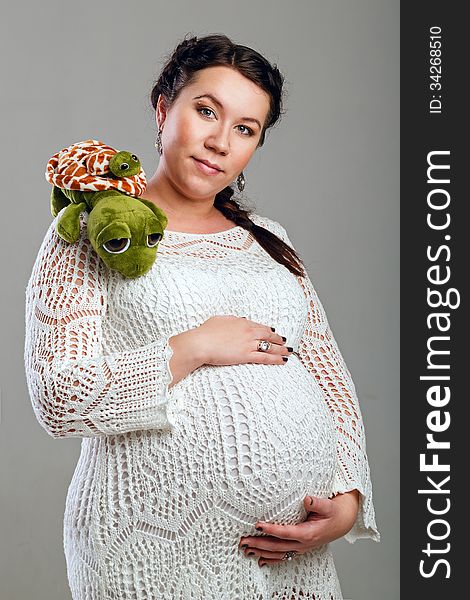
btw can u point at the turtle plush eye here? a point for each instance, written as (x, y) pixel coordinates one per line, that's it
(134, 157)
(124, 166)
(153, 239)
(117, 246)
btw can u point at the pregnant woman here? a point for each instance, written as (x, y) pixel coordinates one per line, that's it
(222, 441)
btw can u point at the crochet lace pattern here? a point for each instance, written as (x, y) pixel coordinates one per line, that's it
(169, 479)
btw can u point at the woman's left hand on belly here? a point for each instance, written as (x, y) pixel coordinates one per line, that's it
(327, 520)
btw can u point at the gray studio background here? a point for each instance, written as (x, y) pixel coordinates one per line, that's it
(329, 172)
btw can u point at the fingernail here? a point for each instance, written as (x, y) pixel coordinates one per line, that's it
(284, 338)
(284, 358)
(250, 553)
(259, 528)
(262, 564)
(311, 500)
(244, 546)
(289, 348)
(272, 329)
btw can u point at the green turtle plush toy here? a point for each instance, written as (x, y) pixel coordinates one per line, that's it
(123, 229)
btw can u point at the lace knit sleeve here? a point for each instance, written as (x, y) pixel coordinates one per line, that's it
(320, 354)
(75, 391)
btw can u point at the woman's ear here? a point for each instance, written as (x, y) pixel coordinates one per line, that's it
(161, 111)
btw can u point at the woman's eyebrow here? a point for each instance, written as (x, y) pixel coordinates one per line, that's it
(220, 105)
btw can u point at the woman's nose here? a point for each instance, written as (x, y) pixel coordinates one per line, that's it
(219, 142)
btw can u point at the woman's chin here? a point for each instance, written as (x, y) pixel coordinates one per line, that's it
(197, 191)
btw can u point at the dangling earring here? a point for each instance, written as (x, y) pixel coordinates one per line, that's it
(241, 182)
(158, 142)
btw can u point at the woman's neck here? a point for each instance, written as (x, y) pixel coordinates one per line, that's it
(185, 215)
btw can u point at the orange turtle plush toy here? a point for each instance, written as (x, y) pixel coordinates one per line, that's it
(123, 229)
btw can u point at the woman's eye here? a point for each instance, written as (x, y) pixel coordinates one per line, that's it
(153, 239)
(203, 108)
(117, 246)
(249, 132)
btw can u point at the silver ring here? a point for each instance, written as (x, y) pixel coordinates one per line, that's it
(264, 346)
(289, 555)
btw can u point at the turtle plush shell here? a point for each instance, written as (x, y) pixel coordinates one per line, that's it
(92, 166)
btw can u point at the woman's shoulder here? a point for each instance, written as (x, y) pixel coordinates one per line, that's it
(264, 221)
(53, 236)
(82, 244)
(272, 225)
(55, 253)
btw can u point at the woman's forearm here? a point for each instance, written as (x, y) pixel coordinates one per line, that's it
(349, 507)
(186, 357)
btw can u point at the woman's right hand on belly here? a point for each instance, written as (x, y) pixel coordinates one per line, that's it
(231, 340)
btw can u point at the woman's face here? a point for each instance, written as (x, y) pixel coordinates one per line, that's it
(223, 130)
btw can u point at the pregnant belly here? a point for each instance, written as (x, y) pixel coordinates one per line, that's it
(255, 438)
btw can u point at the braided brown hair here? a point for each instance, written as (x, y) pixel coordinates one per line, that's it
(194, 54)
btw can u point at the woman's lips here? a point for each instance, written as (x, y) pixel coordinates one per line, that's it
(204, 168)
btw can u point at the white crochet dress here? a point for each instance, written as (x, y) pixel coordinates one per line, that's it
(168, 480)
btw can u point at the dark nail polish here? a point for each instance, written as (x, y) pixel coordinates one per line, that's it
(289, 348)
(245, 546)
(283, 338)
(272, 329)
(259, 528)
(284, 358)
(250, 553)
